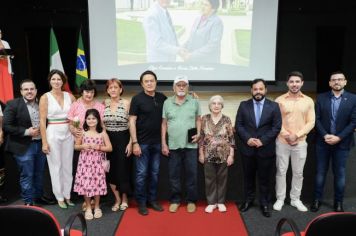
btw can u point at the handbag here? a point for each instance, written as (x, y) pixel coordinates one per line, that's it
(106, 164)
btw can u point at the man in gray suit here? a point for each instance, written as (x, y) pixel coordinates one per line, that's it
(161, 39)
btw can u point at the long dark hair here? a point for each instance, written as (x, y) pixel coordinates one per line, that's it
(96, 114)
(58, 72)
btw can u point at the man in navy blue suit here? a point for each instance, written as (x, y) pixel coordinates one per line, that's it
(335, 125)
(258, 123)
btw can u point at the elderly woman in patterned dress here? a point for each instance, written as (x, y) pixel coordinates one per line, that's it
(216, 152)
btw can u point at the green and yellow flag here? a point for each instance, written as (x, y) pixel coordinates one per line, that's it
(81, 69)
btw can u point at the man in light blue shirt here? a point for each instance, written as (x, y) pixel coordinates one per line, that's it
(161, 39)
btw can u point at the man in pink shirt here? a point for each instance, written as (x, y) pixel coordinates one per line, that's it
(298, 119)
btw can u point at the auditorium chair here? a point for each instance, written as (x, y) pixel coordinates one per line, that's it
(16, 220)
(328, 224)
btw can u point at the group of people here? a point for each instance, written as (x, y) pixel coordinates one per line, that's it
(77, 135)
(273, 133)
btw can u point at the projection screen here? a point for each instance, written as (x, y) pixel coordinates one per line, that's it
(234, 42)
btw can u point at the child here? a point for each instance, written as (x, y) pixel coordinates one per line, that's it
(90, 176)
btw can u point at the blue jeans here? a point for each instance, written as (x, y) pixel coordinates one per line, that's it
(31, 166)
(338, 159)
(188, 157)
(147, 170)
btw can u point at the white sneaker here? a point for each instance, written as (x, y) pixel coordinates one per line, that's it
(278, 205)
(210, 208)
(221, 207)
(299, 205)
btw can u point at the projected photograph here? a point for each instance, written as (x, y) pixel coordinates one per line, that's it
(192, 31)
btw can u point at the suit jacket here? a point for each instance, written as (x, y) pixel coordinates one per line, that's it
(16, 120)
(345, 119)
(161, 40)
(205, 41)
(267, 131)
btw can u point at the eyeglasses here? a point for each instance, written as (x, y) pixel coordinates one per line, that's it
(181, 85)
(337, 80)
(28, 89)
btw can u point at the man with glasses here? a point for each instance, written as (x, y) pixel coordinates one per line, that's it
(21, 123)
(145, 128)
(335, 125)
(182, 122)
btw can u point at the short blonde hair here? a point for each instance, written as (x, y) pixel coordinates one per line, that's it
(216, 97)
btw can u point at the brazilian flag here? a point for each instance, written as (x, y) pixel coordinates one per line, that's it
(81, 70)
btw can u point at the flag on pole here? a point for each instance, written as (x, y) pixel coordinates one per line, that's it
(6, 86)
(55, 57)
(81, 69)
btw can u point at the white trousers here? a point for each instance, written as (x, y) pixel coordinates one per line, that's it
(297, 154)
(60, 159)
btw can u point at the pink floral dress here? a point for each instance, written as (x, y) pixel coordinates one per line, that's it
(90, 176)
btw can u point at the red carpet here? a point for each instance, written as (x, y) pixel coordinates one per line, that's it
(182, 223)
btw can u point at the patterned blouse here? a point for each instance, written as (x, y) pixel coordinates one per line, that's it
(216, 138)
(118, 121)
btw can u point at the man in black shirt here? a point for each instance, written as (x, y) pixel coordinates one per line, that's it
(145, 128)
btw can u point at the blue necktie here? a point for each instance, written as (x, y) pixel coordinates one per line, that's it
(258, 113)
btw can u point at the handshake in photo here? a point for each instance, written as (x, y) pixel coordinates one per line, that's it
(184, 54)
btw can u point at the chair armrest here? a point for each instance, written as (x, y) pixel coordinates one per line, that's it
(70, 221)
(291, 224)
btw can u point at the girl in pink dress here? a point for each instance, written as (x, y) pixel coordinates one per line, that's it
(90, 176)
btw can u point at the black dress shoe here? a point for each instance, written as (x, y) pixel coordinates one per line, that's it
(338, 207)
(3, 200)
(265, 211)
(155, 206)
(315, 206)
(45, 201)
(245, 206)
(142, 210)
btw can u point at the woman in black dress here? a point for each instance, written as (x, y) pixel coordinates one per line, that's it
(117, 127)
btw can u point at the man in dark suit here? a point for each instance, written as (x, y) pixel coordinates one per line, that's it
(21, 123)
(258, 123)
(335, 125)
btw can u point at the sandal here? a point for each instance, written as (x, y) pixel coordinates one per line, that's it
(88, 215)
(123, 206)
(115, 207)
(70, 203)
(84, 206)
(62, 204)
(98, 213)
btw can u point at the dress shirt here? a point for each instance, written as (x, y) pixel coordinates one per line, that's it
(335, 104)
(258, 109)
(33, 110)
(298, 115)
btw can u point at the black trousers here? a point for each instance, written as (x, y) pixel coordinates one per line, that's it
(262, 168)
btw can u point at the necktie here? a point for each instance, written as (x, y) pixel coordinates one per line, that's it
(171, 24)
(335, 103)
(169, 19)
(258, 113)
